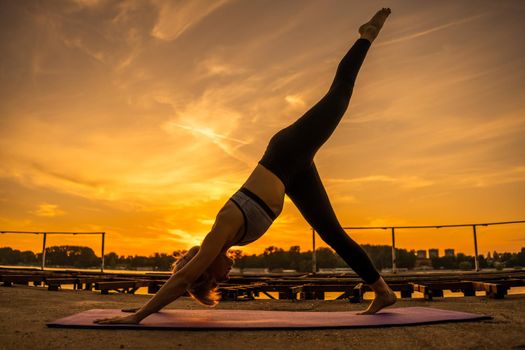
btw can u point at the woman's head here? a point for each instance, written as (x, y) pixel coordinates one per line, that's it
(204, 289)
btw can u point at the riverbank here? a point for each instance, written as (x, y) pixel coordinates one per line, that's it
(25, 310)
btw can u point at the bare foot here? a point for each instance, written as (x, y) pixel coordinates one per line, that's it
(370, 29)
(380, 301)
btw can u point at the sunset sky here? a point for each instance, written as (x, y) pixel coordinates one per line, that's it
(141, 118)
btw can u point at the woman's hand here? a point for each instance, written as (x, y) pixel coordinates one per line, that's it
(128, 319)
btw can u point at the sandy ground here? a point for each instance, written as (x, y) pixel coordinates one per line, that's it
(25, 310)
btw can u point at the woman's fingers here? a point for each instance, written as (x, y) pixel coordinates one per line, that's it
(131, 309)
(102, 320)
(119, 319)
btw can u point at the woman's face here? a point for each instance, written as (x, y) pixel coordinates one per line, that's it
(221, 268)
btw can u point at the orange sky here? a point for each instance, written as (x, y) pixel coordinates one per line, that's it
(141, 118)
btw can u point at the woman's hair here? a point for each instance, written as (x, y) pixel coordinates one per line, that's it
(204, 289)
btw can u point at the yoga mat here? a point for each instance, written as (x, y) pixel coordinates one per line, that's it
(255, 319)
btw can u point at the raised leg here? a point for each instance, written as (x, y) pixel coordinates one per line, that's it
(295, 146)
(316, 126)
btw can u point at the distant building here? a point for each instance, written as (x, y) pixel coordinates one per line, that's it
(422, 262)
(433, 253)
(449, 252)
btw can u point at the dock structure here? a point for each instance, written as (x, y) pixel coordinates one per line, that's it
(292, 287)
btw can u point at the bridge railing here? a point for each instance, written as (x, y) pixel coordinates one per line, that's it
(43, 263)
(393, 233)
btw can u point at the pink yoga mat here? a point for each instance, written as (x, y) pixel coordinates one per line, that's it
(252, 319)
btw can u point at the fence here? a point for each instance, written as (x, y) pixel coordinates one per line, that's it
(314, 257)
(103, 234)
(393, 228)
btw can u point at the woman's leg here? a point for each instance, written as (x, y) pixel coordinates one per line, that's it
(295, 146)
(308, 194)
(316, 126)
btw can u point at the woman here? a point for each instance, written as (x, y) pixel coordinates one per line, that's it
(286, 167)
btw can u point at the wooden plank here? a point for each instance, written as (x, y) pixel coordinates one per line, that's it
(9, 280)
(357, 293)
(492, 290)
(54, 284)
(268, 295)
(120, 286)
(428, 292)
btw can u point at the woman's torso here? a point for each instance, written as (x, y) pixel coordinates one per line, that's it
(268, 187)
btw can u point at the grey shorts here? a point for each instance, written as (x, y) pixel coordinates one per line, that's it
(258, 217)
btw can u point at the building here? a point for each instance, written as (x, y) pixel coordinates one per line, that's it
(422, 262)
(449, 252)
(433, 253)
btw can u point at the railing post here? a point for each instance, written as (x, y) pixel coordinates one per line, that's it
(44, 252)
(102, 259)
(476, 263)
(394, 257)
(314, 254)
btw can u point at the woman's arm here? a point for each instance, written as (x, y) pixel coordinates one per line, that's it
(212, 245)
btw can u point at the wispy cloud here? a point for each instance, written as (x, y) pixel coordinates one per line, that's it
(204, 131)
(495, 178)
(403, 181)
(215, 66)
(185, 238)
(432, 30)
(177, 17)
(295, 100)
(48, 210)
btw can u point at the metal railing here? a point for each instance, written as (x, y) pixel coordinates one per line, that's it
(393, 228)
(103, 234)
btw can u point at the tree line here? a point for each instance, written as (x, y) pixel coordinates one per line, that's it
(273, 258)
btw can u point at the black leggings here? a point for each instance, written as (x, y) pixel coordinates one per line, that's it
(290, 154)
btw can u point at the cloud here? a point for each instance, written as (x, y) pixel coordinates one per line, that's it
(185, 238)
(177, 17)
(403, 181)
(495, 178)
(203, 131)
(215, 66)
(345, 199)
(48, 210)
(207, 222)
(79, 44)
(432, 30)
(295, 100)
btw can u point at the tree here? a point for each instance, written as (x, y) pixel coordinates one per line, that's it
(71, 256)
(111, 259)
(327, 258)
(9, 256)
(237, 256)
